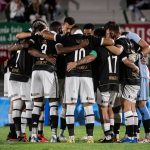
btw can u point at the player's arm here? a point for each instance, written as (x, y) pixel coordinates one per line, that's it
(107, 42)
(145, 47)
(117, 50)
(130, 64)
(39, 54)
(18, 46)
(142, 43)
(87, 59)
(47, 35)
(97, 41)
(63, 50)
(23, 35)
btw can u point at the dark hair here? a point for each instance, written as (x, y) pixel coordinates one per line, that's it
(114, 27)
(56, 26)
(38, 25)
(100, 32)
(108, 24)
(69, 20)
(88, 26)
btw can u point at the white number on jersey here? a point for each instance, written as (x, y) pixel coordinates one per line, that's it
(18, 55)
(43, 48)
(112, 62)
(79, 54)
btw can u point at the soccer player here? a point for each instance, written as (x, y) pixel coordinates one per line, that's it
(143, 95)
(7, 71)
(44, 79)
(79, 75)
(129, 79)
(108, 83)
(20, 86)
(24, 35)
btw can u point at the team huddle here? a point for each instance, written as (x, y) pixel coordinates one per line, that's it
(65, 64)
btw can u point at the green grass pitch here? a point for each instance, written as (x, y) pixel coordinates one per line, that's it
(79, 145)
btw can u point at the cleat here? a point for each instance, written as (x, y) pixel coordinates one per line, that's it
(11, 137)
(71, 139)
(129, 140)
(90, 139)
(53, 139)
(24, 137)
(62, 138)
(42, 139)
(107, 139)
(84, 138)
(144, 141)
(34, 139)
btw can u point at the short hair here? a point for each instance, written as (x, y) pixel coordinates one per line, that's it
(69, 20)
(38, 25)
(108, 24)
(115, 28)
(88, 26)
(100, 32)
(55, 26)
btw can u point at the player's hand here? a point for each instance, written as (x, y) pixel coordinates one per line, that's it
(51, 59)
(71, 65)
(136, 70)
(84, 43)
(25, 45)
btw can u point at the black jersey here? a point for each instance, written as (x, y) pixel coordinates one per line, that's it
(46, 47)
(108, 70)
(22, 68)
(127, 76)
(83, 70)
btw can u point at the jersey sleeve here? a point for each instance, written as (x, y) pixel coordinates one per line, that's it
(123, 55)
(133, 36)
(93, 52)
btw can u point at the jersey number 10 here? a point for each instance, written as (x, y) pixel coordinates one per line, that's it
(79, 54)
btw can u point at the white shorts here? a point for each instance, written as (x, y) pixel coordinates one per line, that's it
(19, 90)
(143, 93)
(14, 88)
(6, 83)
(106, 98)
(61, 83)
(129, 92)
(25, 90)
(79, 86)
(44, 84)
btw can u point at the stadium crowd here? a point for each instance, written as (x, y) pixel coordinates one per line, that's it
(64, 63)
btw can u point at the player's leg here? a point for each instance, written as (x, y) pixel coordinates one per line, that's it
(37, 94)
(70, 99)
(87, 98)
(129, 95)
(17, 106)
(27, 112)
(63, 112)
(51, 91)
(103, 103)
(143, 96)
(112, 99)
(117, 118)
(12, 132)
(53, 103)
